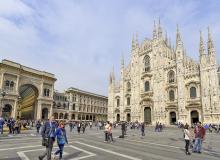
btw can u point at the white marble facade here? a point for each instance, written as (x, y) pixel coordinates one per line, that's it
(162, 84)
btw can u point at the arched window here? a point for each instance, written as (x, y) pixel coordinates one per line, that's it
(11, 84)
(128, 101)
(118, 102)
(146, 86)
(171, 77)
(128, 86)
(193, 92)
(7, 83)
(171, 95)
(146, 63)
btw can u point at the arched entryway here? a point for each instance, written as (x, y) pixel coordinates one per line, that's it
(28, 101)
(87, 117)
(61, 116)
(147, 115)
(194, 116)
(73, 116)
(44, 113)
(66, 116)
(118, 118)
(172, 118)
(6, 111)
(128, 117)
(55, 115)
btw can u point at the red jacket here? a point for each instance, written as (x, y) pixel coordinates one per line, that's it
(199, 132)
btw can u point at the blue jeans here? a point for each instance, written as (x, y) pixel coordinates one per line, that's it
(198, 145)
(60, 150)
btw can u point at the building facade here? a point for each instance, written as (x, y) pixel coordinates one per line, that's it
(162, 84)
(25, 92)
(79, 105)
(28, 93)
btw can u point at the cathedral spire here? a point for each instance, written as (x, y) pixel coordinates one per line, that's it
(179, 42)
(122, 60)
(160, 32)
(211, 48)
(133, 42)
(166, 39)
(202, 45)
(136, 41)
(155, 31)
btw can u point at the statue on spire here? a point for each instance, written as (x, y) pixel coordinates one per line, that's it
(202, 45)
(155, 31)
(160, 32)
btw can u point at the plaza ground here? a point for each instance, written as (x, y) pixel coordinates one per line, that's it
(167, 145)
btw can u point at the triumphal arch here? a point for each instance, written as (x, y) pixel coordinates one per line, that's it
(26, 93)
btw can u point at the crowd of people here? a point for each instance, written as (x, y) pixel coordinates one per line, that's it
(15, 125)
(52, 130)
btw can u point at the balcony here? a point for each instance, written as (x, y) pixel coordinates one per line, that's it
(147, 94)
(192, 102)
(172, 103)
(146, 74)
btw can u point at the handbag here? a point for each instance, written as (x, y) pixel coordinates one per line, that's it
(45, 142)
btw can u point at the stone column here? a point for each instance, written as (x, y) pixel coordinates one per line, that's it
(14, 112)
(39, 110)
(2, 80)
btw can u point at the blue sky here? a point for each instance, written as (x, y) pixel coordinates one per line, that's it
(80, 40)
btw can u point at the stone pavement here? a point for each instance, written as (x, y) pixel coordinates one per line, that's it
(167, 145)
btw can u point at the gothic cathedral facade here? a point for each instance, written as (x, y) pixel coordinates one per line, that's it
(162, 84)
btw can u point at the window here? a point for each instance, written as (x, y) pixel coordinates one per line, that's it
(146, 63)
(46, 92)
(171, 76)
(193, 92)
(128, 86)
(146, 86)
(128, 101)
(7, 83)
(171, 95)
(74, 106)
(11, 84)
(118, 102)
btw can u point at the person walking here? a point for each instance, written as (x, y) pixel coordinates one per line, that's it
(71, 126)
(78, 127)
(2, 122)
(123, 128)
(61, 140)
(106, 131)
(142, 129)
(83, 127)
(199, 137)
(48, 136)
(187, 137)
(110, 137)
(38, 125)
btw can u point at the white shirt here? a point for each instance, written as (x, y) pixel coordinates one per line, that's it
(186, 133)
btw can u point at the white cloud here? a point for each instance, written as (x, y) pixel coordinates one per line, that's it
(80, 41)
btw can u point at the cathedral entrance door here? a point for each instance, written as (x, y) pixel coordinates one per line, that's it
(118, 117)
(128, 117)
(194, 117)
(172, 118)
(147, 115)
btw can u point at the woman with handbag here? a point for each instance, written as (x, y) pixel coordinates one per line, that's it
(61, 139)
